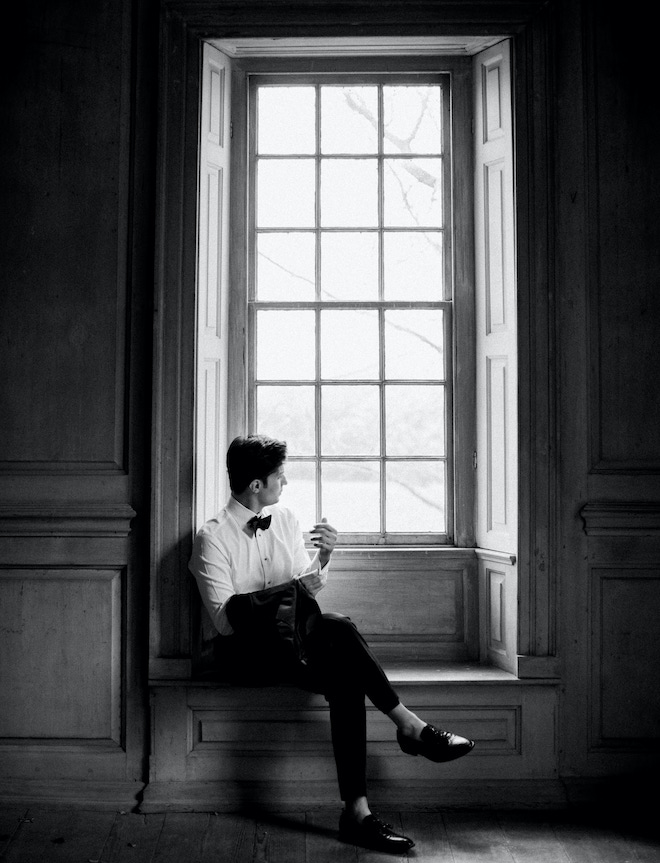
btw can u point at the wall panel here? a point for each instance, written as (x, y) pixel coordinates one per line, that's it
(64, 224)
(625, 611)
(61, 644)
(380, 590)
(624, 234)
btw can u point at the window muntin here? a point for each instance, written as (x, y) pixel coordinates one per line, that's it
(350, 298)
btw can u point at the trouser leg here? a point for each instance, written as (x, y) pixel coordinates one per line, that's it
(348, 725)
(346, 670)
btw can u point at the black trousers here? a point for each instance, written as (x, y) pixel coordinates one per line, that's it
(341, 666)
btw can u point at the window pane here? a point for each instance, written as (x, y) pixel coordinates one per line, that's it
(349, 345)
(299, 493)
(286, 120)
(285, 345)
(285, 266)
(285, 193)
(415, 497)
(349, 266)
(351, 495)
(415, 420)
(349, 193)
(414, 344)
(413, 267)
(350, 420)
(287, 413)
(412, 119)
(349, 119)
(413, 193)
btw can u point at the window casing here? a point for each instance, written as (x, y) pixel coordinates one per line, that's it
(180, 393)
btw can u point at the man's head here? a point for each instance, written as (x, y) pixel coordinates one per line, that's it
(252, 458)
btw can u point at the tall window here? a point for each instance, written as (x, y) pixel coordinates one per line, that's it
(350, 298)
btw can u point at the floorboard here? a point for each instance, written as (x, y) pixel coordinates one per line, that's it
(33, 839)
(59, 836)
(182, 838)
(229, 838)
(322, 845)
(428, 832)
(444, 836)
(281, 840)
(476, 836)
(530, 838)
(10, 822)
(133, 839)
(594, 842)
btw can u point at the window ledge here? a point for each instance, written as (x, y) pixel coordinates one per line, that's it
(450, 673)
(406, 673)
(376, 551)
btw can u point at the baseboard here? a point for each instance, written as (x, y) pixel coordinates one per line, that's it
(72, 794)
(415, 796)
(273, 796)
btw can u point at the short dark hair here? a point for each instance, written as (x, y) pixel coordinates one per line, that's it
(253, 457)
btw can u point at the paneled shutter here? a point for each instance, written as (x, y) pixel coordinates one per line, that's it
(212, 286)
(497, 445)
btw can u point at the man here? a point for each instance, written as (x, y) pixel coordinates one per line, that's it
(255, 575)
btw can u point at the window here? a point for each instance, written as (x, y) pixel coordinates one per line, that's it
(350, 289)
(291, 261)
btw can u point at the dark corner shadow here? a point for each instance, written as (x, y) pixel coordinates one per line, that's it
(627, 803)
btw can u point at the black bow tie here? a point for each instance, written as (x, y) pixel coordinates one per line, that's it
(257, 523)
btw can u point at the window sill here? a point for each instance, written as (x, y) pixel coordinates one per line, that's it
(376, 551)
(407, 674)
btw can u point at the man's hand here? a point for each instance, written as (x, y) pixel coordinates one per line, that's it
(312, 582)
(324, 538)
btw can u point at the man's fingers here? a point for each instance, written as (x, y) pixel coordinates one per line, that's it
(323, 525)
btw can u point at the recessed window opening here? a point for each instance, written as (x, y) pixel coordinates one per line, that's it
(356, 296)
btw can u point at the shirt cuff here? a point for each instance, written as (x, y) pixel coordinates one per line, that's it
(315, 566)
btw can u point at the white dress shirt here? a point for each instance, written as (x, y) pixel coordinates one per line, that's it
(229, 557)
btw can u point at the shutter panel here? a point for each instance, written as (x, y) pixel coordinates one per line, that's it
(497, 445)
(212, 286)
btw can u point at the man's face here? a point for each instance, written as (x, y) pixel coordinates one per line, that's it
(272, 489)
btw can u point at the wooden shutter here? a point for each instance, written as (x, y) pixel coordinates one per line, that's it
(212, 286)
(497, 447)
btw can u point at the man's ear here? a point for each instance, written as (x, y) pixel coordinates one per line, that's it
(255, 486)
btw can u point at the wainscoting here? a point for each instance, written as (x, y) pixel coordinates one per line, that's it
(220, 748)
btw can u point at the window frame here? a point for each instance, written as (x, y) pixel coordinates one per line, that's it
(460, 361)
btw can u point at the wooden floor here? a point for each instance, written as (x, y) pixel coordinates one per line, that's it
(66, 836)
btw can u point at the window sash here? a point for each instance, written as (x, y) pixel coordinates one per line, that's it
(380, 305)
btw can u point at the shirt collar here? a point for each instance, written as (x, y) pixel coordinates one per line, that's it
(241, 514)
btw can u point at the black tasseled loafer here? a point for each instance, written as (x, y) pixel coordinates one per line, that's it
(436, 745)
(374, 834)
